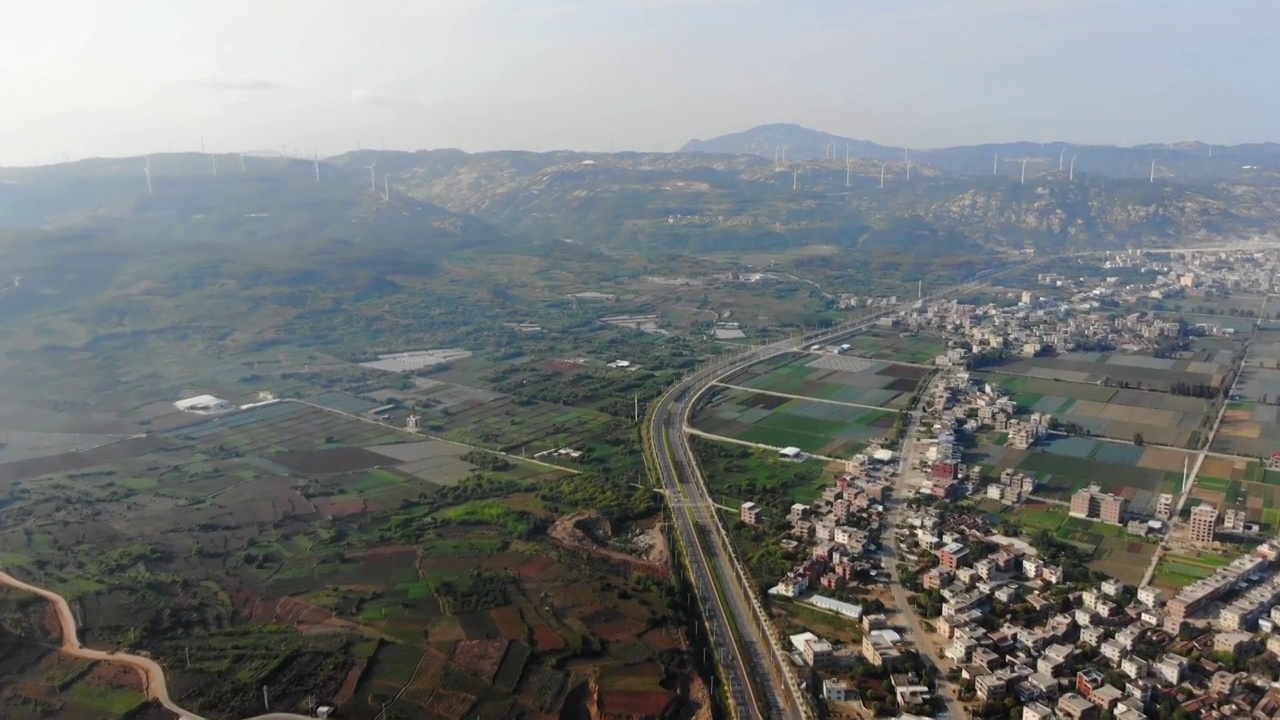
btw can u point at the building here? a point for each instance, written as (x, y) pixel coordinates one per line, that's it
(1149, 595)
(1204, 519)
(1092, 503)
(1171, 668)
(1075, 707)
(953, 556)
(1164, 506)
(879, 647)
(1037, 711)
(834, 689)
(817, 652)
(750, 513)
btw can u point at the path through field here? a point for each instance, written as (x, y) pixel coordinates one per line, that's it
(154, 685)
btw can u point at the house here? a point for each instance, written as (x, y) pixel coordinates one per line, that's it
(879, 647)
(953, 555)
(1113, 651)
(1106, 697)
(1231, 642)
(750, 513)
(1075, 707)
(817, 652)
(1171, 668)
(834, 689)
(1092, 636)
(1037, 711)
(1052, 574)
(1222, 683)
(1134, 667)
(1112, 588)
(990, 687)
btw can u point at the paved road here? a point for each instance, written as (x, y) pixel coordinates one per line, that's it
(153, 679)
(1208, 443)
(904, 488)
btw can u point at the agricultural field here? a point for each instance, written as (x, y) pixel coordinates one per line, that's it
(1119, 413)
(1115, 552)
(1238, 484)
(821, 428)
(1249, 429)
(1175, 570)
(736, 474)
(1066, 464)
(896, 347)
(387, 566)
(838, 378)
(1139, 371)
(1260, 375)
(529, 428)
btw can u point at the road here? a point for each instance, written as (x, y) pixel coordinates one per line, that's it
(1208, 443)
(154, 685)
(904, 488)
(753, 659)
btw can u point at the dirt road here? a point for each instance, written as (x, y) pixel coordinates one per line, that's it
(153, 680)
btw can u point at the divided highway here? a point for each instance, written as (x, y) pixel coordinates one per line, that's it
(762, 682)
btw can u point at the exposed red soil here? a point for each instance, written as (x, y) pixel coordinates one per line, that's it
(508, 621)
(115, 676)
(344, 509)
(546, 639)
(536, 566)
(616, 630)
(571, 532)
(480, 657)
(349, 683)
(381, 551)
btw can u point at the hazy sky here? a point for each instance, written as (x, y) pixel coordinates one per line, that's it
(119, 77)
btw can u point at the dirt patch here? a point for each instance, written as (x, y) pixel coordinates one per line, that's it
(69, 462)
(383, 551)
(618, 630)
(589, 532)
(109, 675)
(907, 372)
(480, 657)
(547, 640)
(334, 461)
(346, 508)
(348, 688)
(535, 567)
(508, 621)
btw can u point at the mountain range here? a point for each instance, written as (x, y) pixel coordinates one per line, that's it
(1189, 160)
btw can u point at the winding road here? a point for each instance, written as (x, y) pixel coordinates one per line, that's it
(154, 685)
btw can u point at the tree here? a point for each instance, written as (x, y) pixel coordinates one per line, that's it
(1139, 440)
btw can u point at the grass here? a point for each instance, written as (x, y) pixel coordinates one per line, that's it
(116, 701)
(1050, 518)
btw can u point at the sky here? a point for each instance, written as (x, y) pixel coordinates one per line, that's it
(84, 78)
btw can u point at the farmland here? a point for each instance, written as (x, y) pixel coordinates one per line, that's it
(1126, 370)
(1119, 413)
(1066, 464)
(839, 378)
(816, 427)
(1114, 552)
(896, 347)
(323, 554)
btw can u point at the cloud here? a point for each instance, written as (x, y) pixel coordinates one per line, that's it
(369, 96)
(236, 85)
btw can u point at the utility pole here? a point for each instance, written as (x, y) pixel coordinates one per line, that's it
(266, 699)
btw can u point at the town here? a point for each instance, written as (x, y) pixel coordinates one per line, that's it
(958, 508)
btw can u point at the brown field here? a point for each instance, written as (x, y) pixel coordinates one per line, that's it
(1155, 458)
(660, 639)
(445, 629)
(546, 639)
(345, 508)
(348, 688)
(616, 630)
(72, 461)
(507, 619)
(480, 657)
(635, 703)
(333, 461)
(1216, 467)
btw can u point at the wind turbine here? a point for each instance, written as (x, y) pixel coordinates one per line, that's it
(241, 162)
(1071, 173)
(201, 144)
(315, 159)
(776, 148)
(848, 167)
(146, 169)
(995, 164)
(795, 178)
(1153, 171)
(213, 160)
(829, 152)
(386, 188)
(906, 158)
(1061, 156)
(373, 187)
(882, 172)
(1024, 161)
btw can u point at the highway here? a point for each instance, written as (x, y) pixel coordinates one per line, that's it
(762, 681)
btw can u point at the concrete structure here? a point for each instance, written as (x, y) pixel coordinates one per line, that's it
(204, 405)
(1204, 520)
(750, 513)
(834, 689)
(1094, 504)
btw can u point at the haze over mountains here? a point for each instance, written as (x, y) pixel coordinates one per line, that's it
(1198, 159)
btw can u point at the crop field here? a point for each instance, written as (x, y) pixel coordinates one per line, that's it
(1175, 570)
(1249, 429)
(505, 425)
(839, 378)
(1067, 464)
(816, 427)
(287, 427)
(1118, 413)
(1137, 370)
(889, 345)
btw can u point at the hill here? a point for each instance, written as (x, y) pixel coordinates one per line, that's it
(1194, 161)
